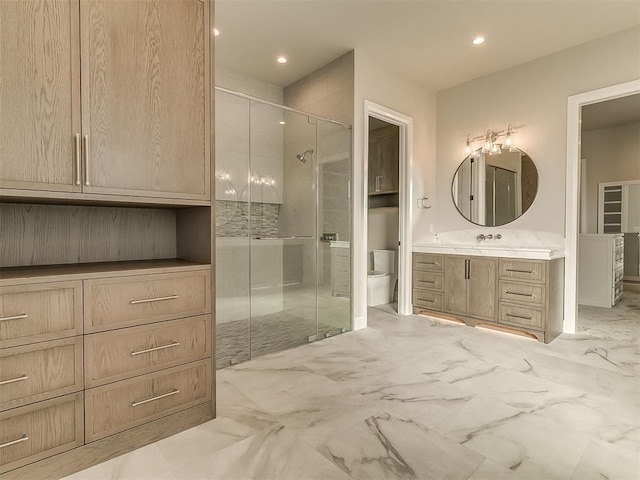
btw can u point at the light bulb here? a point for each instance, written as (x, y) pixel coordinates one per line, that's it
(467, 148)
(495, 149)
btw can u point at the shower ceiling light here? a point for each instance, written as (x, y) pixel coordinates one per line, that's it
(479, 40)
(489, 139)
(281, 59)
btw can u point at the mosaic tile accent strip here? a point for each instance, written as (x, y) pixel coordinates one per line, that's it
(232, 219)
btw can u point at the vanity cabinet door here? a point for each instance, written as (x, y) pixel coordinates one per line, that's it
(39, 95)
(145, 97)
(455, 284)
(482, 287)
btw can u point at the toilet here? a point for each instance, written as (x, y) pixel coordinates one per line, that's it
(381, 281)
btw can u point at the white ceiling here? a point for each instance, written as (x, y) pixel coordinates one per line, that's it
(612, 113)
(426, 41)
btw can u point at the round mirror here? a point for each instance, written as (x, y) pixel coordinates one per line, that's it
(493, 190)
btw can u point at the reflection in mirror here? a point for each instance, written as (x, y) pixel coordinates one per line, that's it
(493, 190)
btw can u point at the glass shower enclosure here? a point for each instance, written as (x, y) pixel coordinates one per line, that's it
(283, 228)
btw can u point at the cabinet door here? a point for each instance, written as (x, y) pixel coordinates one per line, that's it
(39, 94)
(146, 97)
(455, 285)
(482, 288)
(384, 155)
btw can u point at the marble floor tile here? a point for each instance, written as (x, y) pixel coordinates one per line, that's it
(146, 463)
(490, 470)
(275, 454)
(605, 461)
(533, 447)
(389, 446)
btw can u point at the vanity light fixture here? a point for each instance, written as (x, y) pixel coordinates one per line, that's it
(490, 146)
(281, 60)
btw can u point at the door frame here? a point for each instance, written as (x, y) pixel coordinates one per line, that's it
(405, 248)
(572, 203)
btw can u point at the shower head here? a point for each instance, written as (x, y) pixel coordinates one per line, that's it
(302, 156)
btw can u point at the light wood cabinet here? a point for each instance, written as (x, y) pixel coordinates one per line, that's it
(507, 293)
(145, 97)
(470, 286)
(384, 155)
(39, 95)
(103, 100)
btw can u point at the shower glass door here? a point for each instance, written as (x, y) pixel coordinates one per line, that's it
(283, 229)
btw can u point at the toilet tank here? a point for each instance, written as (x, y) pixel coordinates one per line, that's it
(384, 261)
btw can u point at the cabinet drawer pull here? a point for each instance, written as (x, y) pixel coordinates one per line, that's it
(426, 300)
(427, 281)
(519, 271)
(21, 378)
(157, 299)
(152, 399)
(519, 316)
(23, 438)
(14, 317)
(87, 182)
(78, 154)
(428, 263)
(155, 349)
(521, 294)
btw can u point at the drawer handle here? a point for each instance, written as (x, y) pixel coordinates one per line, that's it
(153, 399)
(519, 271)
(428, 263)
(426, 300)
(21, 378)
(155, 349)
(427, 281)
(23, 438)
(519, 316)
(157, 299)
(14, 317)
(521, 294)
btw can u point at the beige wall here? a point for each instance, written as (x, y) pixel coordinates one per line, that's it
(611, 154)
(380, 84)
(533, 97)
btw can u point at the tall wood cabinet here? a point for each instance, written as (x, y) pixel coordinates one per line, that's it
(106, 229)
(139, 73)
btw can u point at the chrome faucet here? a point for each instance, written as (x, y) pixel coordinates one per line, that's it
(482, 236)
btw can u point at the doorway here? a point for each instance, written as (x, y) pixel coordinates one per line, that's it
(573, 215)
(374, 114)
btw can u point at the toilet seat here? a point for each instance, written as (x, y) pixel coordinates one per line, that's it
(376, 273)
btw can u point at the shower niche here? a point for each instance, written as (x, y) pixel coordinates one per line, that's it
(282, 181)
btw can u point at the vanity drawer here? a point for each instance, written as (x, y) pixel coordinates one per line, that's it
(40, 430)
(429, 281)
(127, 301)
(428, 262)
(36, 372)
(530, 270)
(529, 293)
(120, 354)
(119, 406)
(40, 312)
(426, 299)
(522, 316)
(341, 254)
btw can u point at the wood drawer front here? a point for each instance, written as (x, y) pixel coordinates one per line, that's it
(522, 316)
(40, 312)
(341, 254)
(428, 262)
(36, 372)
(530, 270)
(426, 299)
(119, 406)
(532, 294)
(120, 354)
(429, 281)
(127, 301)
(45, 429)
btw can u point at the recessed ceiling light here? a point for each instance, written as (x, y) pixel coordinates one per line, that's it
(281, 59)
(283, 123)
(478, 40)
(216, 32)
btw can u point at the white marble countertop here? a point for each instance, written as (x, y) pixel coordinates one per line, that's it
(492, 250)
(339, 244)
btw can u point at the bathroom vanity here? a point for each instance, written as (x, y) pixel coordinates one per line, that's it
(517, 290)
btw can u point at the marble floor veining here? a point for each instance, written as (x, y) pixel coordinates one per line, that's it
(413, 398)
